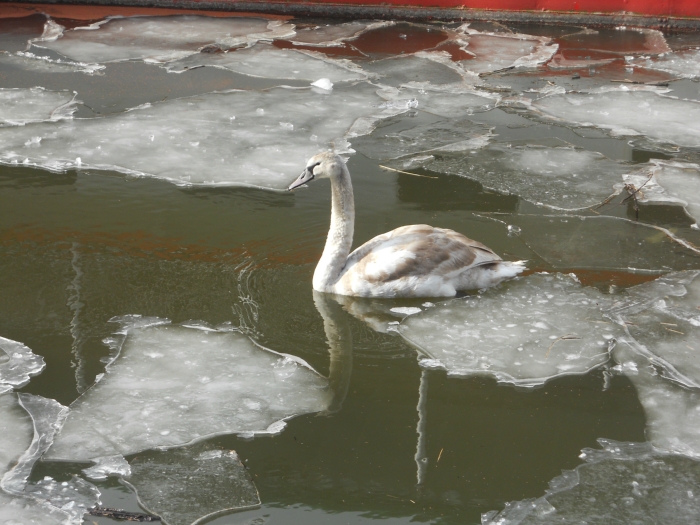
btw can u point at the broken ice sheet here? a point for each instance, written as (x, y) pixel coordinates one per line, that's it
(602, 243)
(45, 64)
(173, 385)
(681, 64)
(162, 38)
(560, 178)
(108, 466)
(449, 101)
(666, 182)
(495, 51)
(72, 497)
(663, 322)
(26, 105)
(17, 364)
(189, 484)
(16, 510)
(672, 411)
(244, 138)
(524, 332)
(629, 112)
(264, 60)
(333, 34)
(620, 483)
(403, 69)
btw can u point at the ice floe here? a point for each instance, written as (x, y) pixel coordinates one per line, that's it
(45, 64)
(620, 483)
(449, 101)
(403, 69)
(559, 177)
(665, 182)
(69, 499)
(525, 332)
(189, 484)
(108, 466)
(663, 324)
(160, 39)
(24, 106)
(681, 64)
(334, 34)
(245, 138)
(566, 241)
(173, 385)
(629, 112)
(264, 60)
(17, 364)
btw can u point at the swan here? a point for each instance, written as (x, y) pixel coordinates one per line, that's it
(410, 261)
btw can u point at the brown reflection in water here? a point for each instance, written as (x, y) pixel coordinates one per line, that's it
(455, 51)
(612, 41)
(345, 50)
(399, 39)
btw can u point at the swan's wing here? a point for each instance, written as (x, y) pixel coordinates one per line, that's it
(417, 251)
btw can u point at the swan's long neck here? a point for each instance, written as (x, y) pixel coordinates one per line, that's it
(339, 241)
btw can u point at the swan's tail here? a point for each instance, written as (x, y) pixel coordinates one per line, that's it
(509, 269)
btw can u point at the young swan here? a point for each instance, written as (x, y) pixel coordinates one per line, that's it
(410, 261)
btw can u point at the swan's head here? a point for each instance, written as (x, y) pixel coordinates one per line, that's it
(324, 165)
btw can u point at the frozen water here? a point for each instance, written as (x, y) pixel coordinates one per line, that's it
(161, 39)
(577, 242)
(626, 111)
(672, 412)
(173, 385)
(663, 320)
(333, 34)
(441, 137)
(561, 178)
(241, 138)
(681, 64)
(72, 497)
(559, 62)
(189, 484)
(623, 483)
(108, 466)
(23, 106)
(264, 60)
(418, 67)
(450, 101)
(21, 363)
(45, 64)
(524, 332)
(670, 183)
(496, 51)
(15, 431)
(23, 511)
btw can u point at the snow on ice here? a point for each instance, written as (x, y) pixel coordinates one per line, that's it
(524, 332)
(173, 385)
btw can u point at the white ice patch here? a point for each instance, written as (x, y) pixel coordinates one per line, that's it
(161, 39)
(406, 310)
(266, 61)
(681, 64)
(450, 101)
(24, 106)
(496, 51)
(187, 485)
(629, 112)
(561, 178)
(43, 64)
(622, 483)
(108, 466)
(206, 384)
(663, 324)
(17, 364)
(72, 497)
(194, 141)
(21, 511)
(666, 182)
(525, 332)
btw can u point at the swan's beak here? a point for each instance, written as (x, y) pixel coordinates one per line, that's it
(306, 176)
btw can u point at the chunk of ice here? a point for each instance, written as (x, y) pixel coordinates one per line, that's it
(334, 34)
(626, 112)
(189, 484)
(21, 511)
(157, 140)
(45, 64)
(323, 83)
(20, 365)
(622, 483)
(449, 101)
(15, 431)
(681, 64)
(560, 178)
(507, 332)
(403, 69)
(266, 61)
(161, 39)
(23, 106)
(663, 324)
(205, 384)
(108, 466)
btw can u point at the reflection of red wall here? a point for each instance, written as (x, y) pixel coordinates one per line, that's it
(674, 8)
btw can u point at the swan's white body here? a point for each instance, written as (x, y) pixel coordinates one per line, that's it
(410, 261)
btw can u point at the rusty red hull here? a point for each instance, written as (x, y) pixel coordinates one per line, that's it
(671, 14)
